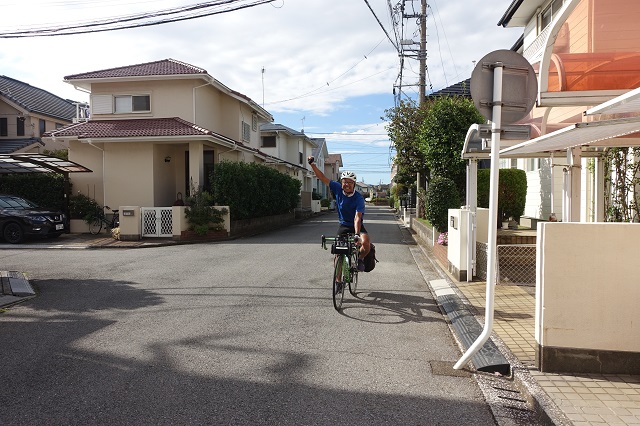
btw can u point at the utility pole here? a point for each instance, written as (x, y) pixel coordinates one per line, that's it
(423, 51)
(423, 83)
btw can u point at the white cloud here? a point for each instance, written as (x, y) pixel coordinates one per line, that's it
(302, 45)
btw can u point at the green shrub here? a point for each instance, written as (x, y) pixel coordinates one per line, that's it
(316, 196)
(253, 190)
(200, 213)
(512, 192)
(83, 207)
(441, 196)
(45, 189)
(325, 202)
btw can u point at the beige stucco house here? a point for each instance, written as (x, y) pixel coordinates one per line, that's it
(157, 129)
(26, 113)
(288, 150)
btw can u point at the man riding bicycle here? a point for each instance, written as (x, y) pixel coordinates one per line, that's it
(350, 206)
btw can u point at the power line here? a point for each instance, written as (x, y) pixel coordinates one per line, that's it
(131, 21)
(382, 26)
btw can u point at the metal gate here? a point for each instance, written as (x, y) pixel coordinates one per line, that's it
(157, 221)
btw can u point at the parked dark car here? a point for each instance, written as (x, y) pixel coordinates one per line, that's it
(20, 218)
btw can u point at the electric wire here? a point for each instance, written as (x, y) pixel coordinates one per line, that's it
(126, 22)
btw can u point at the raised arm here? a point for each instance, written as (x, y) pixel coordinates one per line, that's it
(317, 171)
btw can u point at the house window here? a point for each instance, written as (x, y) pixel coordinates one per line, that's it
(4, 130)
(246, 132)
(533, 164)
(300, 158)
(549, 12)
(20, 126)
(269, 141)
(129, 103)
(42, 126)
(254, 122)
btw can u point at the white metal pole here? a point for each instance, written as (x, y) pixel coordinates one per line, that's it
(496, 123)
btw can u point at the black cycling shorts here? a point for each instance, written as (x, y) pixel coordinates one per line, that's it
(344, 229)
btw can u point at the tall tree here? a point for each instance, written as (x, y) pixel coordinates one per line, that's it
(441, 137)
(404, 122)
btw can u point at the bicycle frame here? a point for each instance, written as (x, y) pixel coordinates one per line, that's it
(345, 265)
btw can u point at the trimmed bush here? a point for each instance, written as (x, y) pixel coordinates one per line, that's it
(512, 192)
(45, 189)
(253, 190)
(441, 196)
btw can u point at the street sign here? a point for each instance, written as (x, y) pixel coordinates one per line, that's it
(519, 85)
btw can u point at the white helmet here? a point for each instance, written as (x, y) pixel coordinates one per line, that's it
(348, 175)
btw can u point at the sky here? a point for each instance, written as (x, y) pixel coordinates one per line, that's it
(327, 67)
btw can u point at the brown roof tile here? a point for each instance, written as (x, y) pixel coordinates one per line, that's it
(132, 129)
(163, 67)
(333, 159)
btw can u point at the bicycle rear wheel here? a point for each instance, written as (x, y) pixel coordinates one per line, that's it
(95, 226)
(353, 282)
(339, 274)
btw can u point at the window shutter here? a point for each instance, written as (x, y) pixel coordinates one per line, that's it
(101, 104)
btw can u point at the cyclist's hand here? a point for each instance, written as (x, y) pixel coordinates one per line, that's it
(310, 159)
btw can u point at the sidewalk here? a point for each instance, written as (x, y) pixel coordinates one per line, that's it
(590, 399)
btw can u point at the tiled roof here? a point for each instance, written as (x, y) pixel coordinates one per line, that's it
(270, 127)
(9, 146)
(163, 67)
(36, 100)
(133, 129)
(333, 159)
(462, 88)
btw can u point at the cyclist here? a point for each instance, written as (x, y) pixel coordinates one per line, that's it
(350, 206)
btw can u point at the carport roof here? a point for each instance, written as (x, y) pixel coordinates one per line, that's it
(575, 135)
(37, 163)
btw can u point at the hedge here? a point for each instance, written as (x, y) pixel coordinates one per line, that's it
(512, 192)
(45, 189)
(253, 190)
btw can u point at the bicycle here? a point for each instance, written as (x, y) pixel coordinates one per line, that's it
(100, 220)
(345, 265)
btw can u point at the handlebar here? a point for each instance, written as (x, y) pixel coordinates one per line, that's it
(351, 238)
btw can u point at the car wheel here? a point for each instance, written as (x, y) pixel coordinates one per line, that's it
(13, 233)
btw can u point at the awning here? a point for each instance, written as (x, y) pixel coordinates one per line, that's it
(37, 163)
(477, 143)
(629, 102)
(575, 135)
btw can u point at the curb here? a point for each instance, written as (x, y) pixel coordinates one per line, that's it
(545, 408)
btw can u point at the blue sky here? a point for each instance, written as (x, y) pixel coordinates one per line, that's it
(329, 67)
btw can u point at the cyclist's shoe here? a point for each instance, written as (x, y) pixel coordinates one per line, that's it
(360, 265)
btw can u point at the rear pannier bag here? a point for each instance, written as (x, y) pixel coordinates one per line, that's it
(370, 259)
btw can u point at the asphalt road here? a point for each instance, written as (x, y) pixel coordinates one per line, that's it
(239, 332)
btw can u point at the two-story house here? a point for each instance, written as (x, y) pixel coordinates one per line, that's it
(586, 56)
(320, 153)
(584, 52)
(289, 150)
(157, 129)
(26, 113)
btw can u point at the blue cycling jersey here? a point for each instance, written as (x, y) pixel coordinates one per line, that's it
(347, 206)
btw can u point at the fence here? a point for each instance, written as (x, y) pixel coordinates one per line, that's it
(516, 263)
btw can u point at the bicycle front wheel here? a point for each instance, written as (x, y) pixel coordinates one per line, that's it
(340, 272)
(95, 226)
